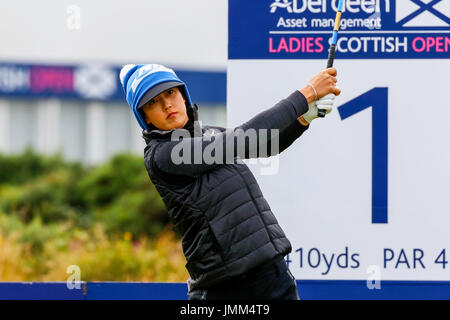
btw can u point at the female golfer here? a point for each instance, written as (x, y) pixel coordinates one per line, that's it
(233, 244)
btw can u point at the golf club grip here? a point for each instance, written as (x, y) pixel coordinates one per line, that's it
(321, 113)
(331, 56)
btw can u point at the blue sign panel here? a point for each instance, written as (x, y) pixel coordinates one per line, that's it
(369, 29)
(95, 82)
(308, 290)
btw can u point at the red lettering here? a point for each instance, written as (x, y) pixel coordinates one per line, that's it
(439, 44)
(294, 44)
(319, 44)
(430, 43)
(309, 44)
(414, 44)
(283, 45)
(271, 49)
(51, 79)
(291, 45)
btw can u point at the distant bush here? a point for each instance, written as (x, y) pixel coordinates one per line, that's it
(107, 219)
(20, 168)
(39, 252)
(118, 193)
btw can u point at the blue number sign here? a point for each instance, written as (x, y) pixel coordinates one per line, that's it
(377, 98)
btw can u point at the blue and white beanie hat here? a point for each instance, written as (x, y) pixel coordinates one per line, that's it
(145, 81)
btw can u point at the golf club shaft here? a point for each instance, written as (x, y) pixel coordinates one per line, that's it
(333, 45)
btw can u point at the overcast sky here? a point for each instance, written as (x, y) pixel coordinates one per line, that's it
(180, 33)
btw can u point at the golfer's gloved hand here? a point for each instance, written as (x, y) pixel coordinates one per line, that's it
(325, 103)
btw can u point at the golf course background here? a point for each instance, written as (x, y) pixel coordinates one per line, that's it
(108, 219)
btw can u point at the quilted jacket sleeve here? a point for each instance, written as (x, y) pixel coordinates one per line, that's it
(192, 156)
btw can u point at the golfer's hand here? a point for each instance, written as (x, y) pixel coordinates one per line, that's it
(321, 85)
(326, 103)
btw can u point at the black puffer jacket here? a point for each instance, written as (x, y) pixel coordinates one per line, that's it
(226, 223)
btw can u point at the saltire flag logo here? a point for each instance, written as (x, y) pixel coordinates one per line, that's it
(423, 13)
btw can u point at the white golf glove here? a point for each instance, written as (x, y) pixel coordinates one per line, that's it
(325, 103)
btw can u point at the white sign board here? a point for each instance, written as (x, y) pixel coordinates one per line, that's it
(366, 190)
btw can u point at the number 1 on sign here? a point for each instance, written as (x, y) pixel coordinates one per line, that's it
(377, 98)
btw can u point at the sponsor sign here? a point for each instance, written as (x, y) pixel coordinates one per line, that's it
(364, 193)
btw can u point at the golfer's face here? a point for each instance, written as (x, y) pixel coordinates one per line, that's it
(167, 110)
